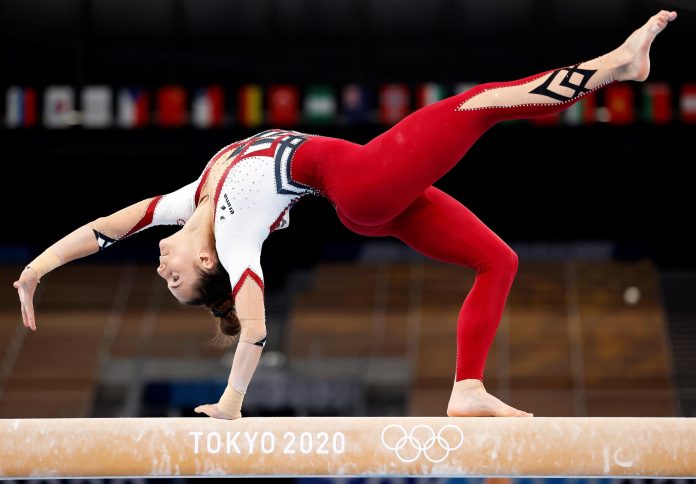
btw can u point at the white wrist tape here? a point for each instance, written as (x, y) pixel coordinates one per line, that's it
(44, 263)
(231, 402)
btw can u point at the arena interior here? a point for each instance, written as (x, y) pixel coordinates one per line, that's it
(109, 102)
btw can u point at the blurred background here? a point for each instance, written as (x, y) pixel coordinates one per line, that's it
(107, 102)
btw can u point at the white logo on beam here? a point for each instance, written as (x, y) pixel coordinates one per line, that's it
(421, 447)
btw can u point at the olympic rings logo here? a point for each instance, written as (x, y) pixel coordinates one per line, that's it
(421, 448)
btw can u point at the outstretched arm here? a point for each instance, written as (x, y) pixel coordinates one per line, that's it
(98, 234)
(252, 317)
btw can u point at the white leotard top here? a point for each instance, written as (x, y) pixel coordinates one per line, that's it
(252, 199)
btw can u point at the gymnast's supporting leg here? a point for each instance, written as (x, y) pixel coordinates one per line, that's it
(372, 185)
(439, 227)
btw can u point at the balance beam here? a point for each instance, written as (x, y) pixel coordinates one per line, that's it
(327, 446)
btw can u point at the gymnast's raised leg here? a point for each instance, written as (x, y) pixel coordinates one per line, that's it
(371, 184)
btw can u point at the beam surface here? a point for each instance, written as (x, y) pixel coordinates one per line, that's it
(355, 446)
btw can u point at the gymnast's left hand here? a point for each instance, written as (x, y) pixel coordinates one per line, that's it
(26, 286)
(211, 410)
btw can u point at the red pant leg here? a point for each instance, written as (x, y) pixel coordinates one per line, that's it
(372, 184)
(439, 227)
(384, 188)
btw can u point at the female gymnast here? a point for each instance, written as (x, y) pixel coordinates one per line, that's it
(383, 188)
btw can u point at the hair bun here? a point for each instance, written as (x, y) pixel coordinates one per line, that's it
(230, 325)
(223, 309)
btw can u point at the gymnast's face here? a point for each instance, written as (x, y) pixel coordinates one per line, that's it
(182, 257)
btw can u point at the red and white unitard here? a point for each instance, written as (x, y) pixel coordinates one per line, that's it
(382, 188)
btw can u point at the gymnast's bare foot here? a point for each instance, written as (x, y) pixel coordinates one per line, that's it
(633, 57)
(470, 399)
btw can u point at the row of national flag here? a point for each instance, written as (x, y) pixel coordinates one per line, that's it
(287, 105)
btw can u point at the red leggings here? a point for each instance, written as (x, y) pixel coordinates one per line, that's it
(384, 188)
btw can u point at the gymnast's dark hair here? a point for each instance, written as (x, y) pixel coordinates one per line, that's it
(215, 293)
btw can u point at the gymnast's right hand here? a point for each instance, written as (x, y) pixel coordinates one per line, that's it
(26, 286)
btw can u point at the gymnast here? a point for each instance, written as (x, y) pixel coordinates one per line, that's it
(383, 188)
